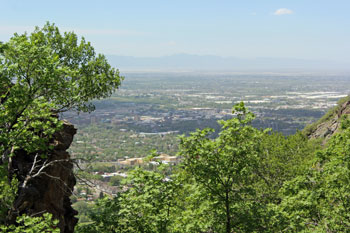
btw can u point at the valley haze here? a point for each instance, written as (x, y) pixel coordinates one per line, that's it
(190, 62)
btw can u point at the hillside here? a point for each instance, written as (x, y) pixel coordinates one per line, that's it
(329, 124)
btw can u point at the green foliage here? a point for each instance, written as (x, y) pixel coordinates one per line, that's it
(225, 167)
(102, 167)
(318, 199)
(115, 180)
(281, 159)
(194, 210)
(28, 224)
(83, 208)
(104, 216)
(58, 68)
(43, 74)
(7, 194)
(147, 205)
(152, 196)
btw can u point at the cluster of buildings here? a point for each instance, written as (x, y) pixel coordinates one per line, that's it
(162, 158)
(146, 116)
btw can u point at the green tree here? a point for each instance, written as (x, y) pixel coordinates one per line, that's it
(45, 73)
(282, 158)
(42, 74)
(225, 166)
(147, 206)
(318, 199)
(194, 210)
(103, 217)
(151, 196)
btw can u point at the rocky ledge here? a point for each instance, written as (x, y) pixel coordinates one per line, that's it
(330, 123)
(50, 190)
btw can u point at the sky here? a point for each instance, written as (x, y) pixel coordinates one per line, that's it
(302, 29)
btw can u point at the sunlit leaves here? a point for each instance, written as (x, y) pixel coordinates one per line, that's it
(147, 206)
(318, 199)
(27, 224)
(42, 74)
(225, 165)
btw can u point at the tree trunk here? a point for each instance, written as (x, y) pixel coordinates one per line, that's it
(228, 214)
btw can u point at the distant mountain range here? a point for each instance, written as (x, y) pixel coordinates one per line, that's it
(187, 62)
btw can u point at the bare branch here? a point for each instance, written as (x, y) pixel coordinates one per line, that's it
(34, 164)
(40, 171)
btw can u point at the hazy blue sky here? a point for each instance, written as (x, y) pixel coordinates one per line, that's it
(308, 29)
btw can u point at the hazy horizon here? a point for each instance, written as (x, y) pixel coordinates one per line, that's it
(315, 33)
(191, 63)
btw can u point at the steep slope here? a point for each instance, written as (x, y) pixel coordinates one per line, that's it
(329, 124)
(50, 190)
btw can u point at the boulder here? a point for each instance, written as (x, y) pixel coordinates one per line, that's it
(49, 191)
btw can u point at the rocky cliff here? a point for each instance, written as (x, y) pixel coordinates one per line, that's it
(329, 124)
(49, 191)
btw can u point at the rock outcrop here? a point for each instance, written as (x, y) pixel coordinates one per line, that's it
(330, 123)
(51, 189)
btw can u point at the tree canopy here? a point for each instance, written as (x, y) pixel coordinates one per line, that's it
(43, 74)
(226, 165)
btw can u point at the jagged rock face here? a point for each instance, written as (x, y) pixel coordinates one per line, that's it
(50, 191)
(330, 127)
